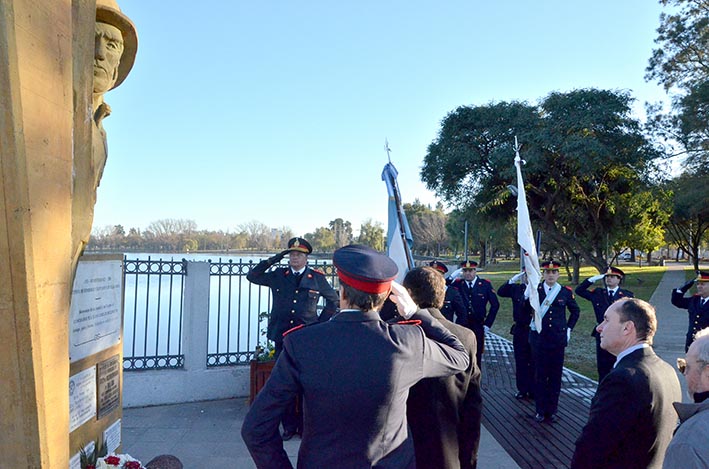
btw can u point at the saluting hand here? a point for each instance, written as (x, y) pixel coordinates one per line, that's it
(404, 303)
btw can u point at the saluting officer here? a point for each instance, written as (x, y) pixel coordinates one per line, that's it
(477, 293)
(696, 305)
(296, 291)
(355, 371)
(548, 344)
(522, 314)
(602, 298)
(453, 306)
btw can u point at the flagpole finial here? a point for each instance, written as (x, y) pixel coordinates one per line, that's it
(387, 149)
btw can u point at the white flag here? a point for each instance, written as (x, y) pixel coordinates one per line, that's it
(525, 238)
(399, 239)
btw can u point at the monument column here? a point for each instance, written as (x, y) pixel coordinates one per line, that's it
(40, 45)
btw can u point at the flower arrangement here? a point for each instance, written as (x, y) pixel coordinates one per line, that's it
(97, 458)
(268, 352)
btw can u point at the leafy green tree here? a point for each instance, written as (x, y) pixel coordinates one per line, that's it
(584, 153)
(342, 231)
(323, 239)
(688, 226)
(371, 234)
(428, 228)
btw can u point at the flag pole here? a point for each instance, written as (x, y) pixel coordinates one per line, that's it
(399, 210)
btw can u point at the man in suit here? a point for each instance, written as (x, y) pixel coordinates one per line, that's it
(453, 306)
(602, 298)
(548, 345)
(522, 314)
(697, 305)
(296, 290)
(631, 419)
(477, 293)
(444, 413)
(355, 372)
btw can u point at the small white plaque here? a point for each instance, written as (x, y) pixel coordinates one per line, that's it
(96, 316)
(82, 398)
(112, 436)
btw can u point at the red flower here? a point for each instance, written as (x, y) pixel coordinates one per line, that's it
(132, 465)
(90, 466)
(113, 460)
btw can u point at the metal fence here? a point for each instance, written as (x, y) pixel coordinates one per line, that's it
(153, 312)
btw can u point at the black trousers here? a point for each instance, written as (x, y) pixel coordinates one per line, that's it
(548, 368)
(524, 363)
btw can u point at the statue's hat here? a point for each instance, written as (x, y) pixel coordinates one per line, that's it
(108, 11)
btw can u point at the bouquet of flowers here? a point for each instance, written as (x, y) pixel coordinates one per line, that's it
(267, 353)
(97, 458)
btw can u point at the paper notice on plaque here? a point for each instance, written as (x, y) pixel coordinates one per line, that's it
(109, 395)
(82, 398)
(95, 317)
(75, 461)
(112, 436)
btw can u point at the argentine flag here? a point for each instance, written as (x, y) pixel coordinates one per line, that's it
(399, 239)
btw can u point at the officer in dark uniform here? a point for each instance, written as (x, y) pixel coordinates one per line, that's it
(355, 372)
(453, 305)
(548, 344)
(696, 305)
(522, 314)
(444, 413)
(602, 298)
(476, 293)
(296, 291)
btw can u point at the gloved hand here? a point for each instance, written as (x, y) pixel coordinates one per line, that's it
(596, 278)
(455, 274)
(516, 277)
(487, 328)
(687, 286)
(277, 258)
(404, 303)
(568, 335)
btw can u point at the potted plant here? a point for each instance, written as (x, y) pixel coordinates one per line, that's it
(262, 361)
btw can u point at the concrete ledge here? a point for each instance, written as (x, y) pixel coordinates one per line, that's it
(158, 387)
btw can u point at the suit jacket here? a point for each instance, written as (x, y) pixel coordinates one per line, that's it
(600, 299)
(445, 413)
(475, 300)
(354, 372)
(554, 322)
(632, 418)
(294, 302)
(698, 313)
(453, 306)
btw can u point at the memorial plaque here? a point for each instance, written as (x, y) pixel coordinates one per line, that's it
(109, 396)
(112, 436)
(82, 398)
(96, 316)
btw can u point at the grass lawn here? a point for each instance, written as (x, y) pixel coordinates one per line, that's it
(581, 352)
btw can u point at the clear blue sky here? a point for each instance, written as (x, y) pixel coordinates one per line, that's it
(277, 111)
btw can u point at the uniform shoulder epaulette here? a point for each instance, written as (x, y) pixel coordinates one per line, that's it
(569, 288)
(484, 280)
(300, 326)
(410, 322)
(317, 271)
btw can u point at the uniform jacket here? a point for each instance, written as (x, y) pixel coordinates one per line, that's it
(554, 322)
(294, 303)
(632, 418)
(689, 448)
(445, 413)
(453, 306)
(476, 300)
(698, 313)
(522, 312)
(354, 372)
(600, 299)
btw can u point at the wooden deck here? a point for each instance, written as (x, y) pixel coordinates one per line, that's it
(511, 421)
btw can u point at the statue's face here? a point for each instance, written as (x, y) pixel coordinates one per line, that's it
(107, 56)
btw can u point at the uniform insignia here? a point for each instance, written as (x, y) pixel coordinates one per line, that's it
(293, 329)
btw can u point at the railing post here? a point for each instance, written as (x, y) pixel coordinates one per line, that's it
(196, 316)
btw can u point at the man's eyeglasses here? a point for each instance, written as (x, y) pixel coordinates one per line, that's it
(681, 365)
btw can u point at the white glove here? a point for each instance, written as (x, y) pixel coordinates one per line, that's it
(455, 274)
(568, 334)
(516, 277)
(487, 328)
(596, 278)
(404, 303)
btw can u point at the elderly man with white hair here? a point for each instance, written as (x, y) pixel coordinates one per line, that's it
(689, 447)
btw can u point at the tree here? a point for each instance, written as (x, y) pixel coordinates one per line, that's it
(584, 153)
(371, 234)
(258, 235)
(323, 240)
(689, 224)
(342, 232)
(428, 228)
